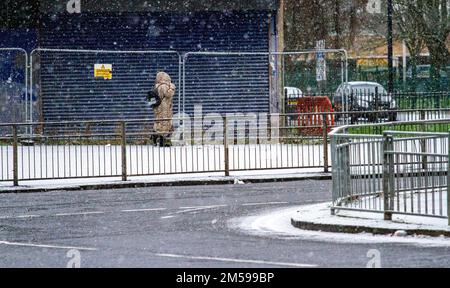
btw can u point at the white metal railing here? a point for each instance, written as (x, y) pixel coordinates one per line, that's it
(395, 168)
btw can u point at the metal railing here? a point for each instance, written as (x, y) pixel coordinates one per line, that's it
(87, 149)
(107, 148)
(392, 168)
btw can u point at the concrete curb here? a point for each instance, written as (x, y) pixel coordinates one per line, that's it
(356, 229)
(168, 183)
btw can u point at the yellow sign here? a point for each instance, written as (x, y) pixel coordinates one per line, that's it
(103, 71)
(372, 62)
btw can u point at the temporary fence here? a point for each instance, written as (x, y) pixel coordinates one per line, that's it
(81, 85)
(63, 85)
(230, 82)
(14, 99)
(392, 168)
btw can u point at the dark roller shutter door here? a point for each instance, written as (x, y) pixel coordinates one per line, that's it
(224, 84)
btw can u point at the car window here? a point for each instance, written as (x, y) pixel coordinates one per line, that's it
(367, 89)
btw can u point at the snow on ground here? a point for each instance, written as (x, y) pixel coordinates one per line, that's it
(431, 202)
(160, 179)
(277, 224)
(320, 213)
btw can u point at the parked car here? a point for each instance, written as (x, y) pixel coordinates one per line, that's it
(360, 96)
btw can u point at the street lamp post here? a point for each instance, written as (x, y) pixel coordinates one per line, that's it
(390, 47)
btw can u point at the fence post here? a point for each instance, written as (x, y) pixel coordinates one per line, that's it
(422, 115)
(346, 169)
(15, 156)
(387, 174)
(226, 148)
(123, 144)
(336, 188)
(423, 142)
(325, 142)
(448, 181)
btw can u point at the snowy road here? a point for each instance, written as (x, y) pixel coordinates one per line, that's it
(178, 227)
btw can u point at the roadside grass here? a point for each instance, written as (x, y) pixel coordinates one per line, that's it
(430, 102)
(378, 130)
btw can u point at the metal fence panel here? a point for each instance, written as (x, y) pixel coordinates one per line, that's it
(417, 168)
(394, 168)
(227, 82)
(64, 82)
(13, 86)
(6, 154)
(108, 148)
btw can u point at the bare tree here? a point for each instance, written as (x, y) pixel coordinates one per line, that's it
(336, 21)
(410, 30)
(432, 23)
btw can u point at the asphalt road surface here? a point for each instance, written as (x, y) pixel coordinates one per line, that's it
(177, 227)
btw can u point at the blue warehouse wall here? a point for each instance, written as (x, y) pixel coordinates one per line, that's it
(220, 84)
(211, 31)
(19, 38)
(12, 72)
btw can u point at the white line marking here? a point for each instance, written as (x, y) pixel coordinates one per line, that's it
(194, 209)
(45, 246)
(19, 217)
(144, 210)
(27, 216)
(263, 204)
(80, 213)
(203, 207)
(300, 265)
(167, 217)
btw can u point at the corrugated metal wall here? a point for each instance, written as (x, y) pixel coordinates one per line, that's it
(69, 91)
(228, 83)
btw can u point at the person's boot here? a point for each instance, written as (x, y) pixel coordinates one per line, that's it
(161, 141)
(153, 139)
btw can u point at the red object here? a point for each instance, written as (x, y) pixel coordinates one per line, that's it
(311, 115)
